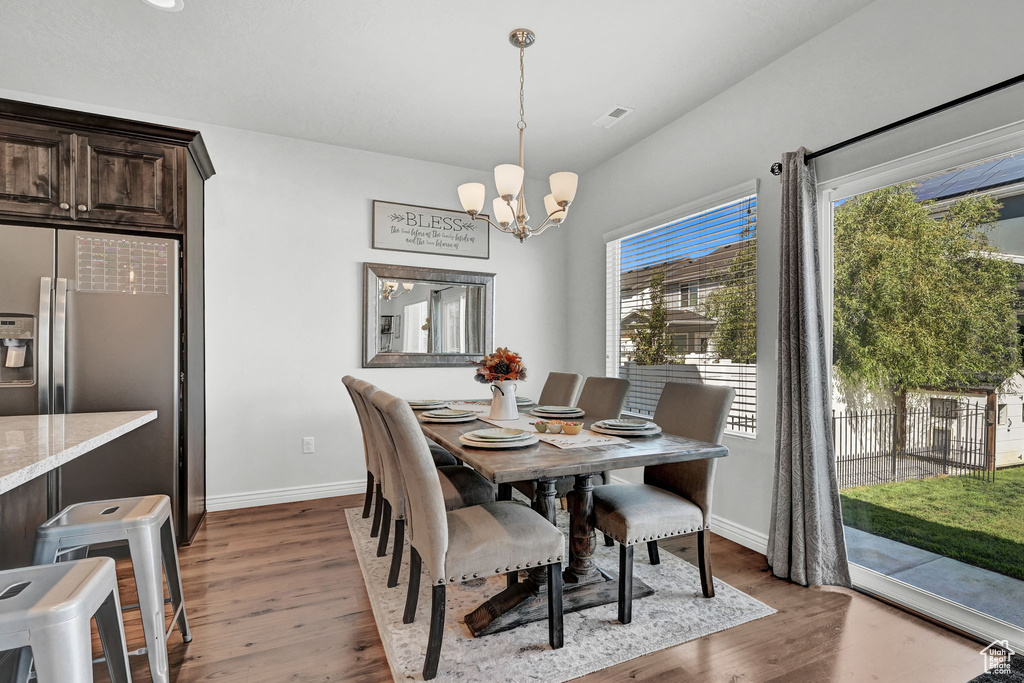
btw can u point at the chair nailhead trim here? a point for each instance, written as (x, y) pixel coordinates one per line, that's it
(464, 576)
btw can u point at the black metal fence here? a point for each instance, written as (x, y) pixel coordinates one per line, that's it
(947, 437)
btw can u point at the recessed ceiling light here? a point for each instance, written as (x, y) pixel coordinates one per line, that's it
(166, 5)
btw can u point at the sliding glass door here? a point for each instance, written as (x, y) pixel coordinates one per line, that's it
(928, 385)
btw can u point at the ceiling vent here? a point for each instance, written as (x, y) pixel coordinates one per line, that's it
(617, 113)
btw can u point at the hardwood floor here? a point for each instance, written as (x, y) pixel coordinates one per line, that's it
(275, 594)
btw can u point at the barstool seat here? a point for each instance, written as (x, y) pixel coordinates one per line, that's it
(145, 524)
(48, 609)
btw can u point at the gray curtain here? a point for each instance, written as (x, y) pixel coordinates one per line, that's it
(805, 541)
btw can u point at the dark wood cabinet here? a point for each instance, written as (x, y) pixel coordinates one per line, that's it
(34, 171)
(61, 168)
(126, 182)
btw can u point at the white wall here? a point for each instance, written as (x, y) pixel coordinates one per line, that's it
(287, 232)
(892, 59)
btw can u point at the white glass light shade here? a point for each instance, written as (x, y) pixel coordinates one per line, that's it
(563, 187)
(556, 214)
(472, 197)
(167, 5)
(508, 178)
(502, 213)
(407, 286)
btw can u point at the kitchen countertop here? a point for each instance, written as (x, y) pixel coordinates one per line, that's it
(32, 445)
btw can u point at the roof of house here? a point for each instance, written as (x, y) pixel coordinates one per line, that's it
(676, 318)
(1005, 171)
(681, 271)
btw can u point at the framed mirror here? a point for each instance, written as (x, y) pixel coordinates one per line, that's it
(425, 317)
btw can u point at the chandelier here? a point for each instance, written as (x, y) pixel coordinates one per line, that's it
(389, 291)
(510, 205)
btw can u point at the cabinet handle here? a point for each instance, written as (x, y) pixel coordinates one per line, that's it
(65, 206)
(83, 207)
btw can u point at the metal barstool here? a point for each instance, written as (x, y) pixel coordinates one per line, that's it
(48, 609)
(145, 524)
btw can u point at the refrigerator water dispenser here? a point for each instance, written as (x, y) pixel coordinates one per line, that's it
(17, 342)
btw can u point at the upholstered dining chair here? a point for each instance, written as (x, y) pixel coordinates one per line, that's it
(675, 498)
(374, 492)
(369, 455)
(560, 389)
(460, 486)
(465, 544)
(602, 398)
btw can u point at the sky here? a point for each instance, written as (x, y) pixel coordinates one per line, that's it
(691, 237)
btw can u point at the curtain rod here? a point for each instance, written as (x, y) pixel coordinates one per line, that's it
(776, 168)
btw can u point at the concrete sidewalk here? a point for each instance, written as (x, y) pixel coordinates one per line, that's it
(980, 589)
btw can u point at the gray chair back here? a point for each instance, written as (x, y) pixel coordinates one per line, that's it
(560, 389)
(694, 411)
(425, 512)
(602, 398)
(393, 486)
(373, 464)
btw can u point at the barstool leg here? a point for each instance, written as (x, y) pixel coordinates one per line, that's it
(64, 653)
(145, 546)
(108, 623)
(173, 571)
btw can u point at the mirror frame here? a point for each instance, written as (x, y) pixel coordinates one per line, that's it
(372, 356)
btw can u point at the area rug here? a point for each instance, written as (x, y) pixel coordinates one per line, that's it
(594, 639)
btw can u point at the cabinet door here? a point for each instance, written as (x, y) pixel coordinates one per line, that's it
(34, 170)
(126, 182)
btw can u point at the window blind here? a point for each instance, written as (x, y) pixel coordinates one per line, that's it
(682, 308)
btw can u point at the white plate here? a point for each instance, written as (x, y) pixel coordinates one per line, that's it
(540, 413)
(497, 434)
(558, 409)
(626, 432)
(625, 424)
(448, 412)
(523, 401)
(467, 418)
(426, 405)
(499, 444)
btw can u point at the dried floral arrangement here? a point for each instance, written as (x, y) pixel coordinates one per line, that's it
(500, 366)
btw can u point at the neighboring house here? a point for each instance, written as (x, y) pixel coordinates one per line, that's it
(688, 282)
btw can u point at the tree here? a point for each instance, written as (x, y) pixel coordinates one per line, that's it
(649, 334)
(733, 307)
(921, 302)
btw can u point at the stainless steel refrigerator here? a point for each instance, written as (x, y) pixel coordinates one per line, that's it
(90, 322)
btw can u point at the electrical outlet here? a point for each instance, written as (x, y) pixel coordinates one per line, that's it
(307, 444)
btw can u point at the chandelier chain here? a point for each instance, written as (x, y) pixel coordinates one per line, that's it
(522, 86)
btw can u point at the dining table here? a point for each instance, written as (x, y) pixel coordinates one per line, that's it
(586, 584)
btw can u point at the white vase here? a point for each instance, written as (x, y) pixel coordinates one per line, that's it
(503, 401)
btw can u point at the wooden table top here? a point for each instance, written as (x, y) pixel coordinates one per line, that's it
(545, 460)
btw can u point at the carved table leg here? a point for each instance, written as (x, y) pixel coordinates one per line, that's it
(582, 539)
(547, 507)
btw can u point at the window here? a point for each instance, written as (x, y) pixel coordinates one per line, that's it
(454, 311)
(416, 326)
(688, 294)
(708, 333)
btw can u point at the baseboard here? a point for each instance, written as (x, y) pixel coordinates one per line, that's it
(289, 494)
(737, 533)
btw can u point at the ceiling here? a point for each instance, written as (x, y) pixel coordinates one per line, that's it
(430, 80)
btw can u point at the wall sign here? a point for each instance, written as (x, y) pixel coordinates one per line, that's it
(425, 230)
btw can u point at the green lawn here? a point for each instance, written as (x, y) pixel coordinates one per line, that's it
(977, 522)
